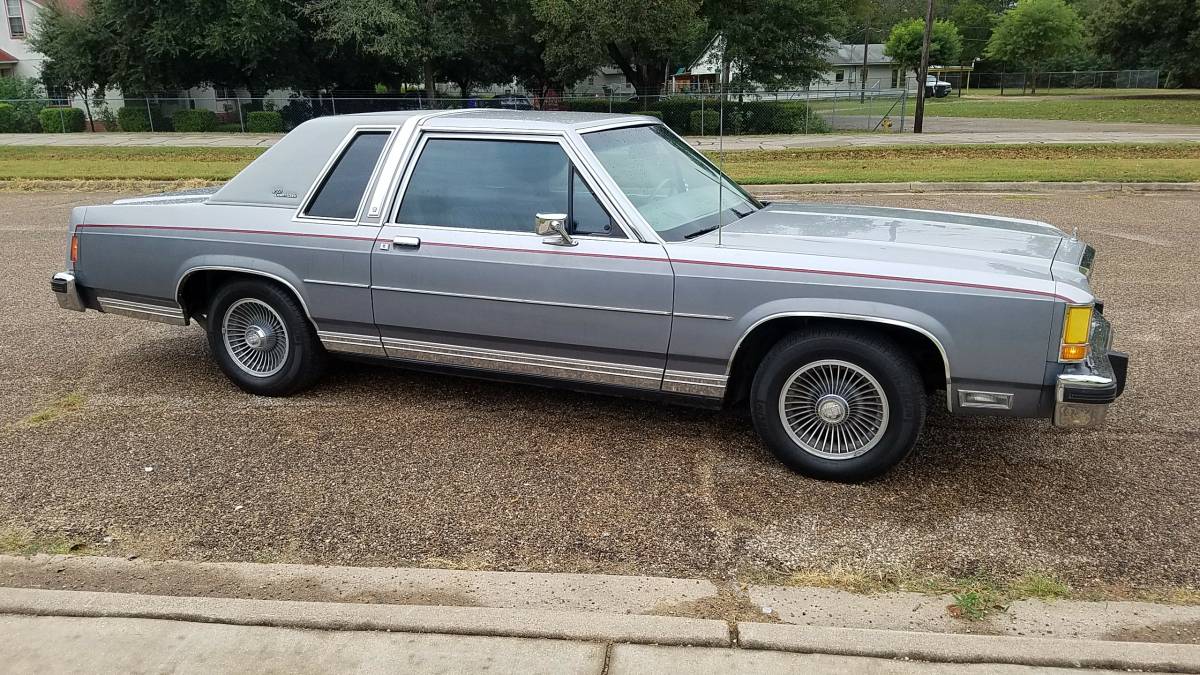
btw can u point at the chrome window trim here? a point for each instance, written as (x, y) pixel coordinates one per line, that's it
(523, 301)
(300, 214)
(853, 317)
(393, 208)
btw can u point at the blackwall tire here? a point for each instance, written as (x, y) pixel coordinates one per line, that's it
(838, 405)
(262, 340)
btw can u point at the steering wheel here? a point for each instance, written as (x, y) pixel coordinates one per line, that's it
(666, 183)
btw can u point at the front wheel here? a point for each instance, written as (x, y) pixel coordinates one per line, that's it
(838, 405)
(262, 340)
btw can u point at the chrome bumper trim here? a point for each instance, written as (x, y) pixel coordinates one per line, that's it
(142, 310)
(66, 291)
(1096, 372)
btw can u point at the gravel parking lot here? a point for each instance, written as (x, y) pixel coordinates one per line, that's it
(111, 427)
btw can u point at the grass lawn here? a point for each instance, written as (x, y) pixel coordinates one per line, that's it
(88, 163)
(1122, 163)
(1068, 163)
(1163, 108)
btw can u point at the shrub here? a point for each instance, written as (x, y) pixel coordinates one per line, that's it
(650, 113)
(677, 111)
(296, 112)
(193, 121)
(8, 118)
(229, 127)
(707, 122)
(601, 105)
(264, 122)
(137, 118)
(61, 119)
(27, 99)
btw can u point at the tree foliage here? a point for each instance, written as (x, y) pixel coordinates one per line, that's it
(776, 43)
(1035, 31)
(640, 37)
(1150, 34)
(906, 39)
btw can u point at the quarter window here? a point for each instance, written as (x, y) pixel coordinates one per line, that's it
(16, 18)
(341, 192)
(498, 185)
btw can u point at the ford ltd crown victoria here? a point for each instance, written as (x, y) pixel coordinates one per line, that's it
(602, 252)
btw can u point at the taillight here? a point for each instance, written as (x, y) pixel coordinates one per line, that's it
(74, 248)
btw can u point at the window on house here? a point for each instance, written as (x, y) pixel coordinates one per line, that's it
(839, 76)
(16, 18)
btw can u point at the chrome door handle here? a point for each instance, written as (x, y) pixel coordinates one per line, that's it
(407, 242)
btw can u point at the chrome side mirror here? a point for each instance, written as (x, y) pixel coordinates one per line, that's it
(553, 226)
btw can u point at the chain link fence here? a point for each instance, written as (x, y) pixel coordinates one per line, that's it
(1049, 83)
(691, 114)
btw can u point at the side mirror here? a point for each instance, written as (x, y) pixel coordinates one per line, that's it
(553, 226)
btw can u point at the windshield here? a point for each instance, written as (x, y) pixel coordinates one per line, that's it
(673, 186)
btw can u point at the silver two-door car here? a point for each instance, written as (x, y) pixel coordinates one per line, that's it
(602, 252)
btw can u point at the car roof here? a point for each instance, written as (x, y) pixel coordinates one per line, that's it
(475, 118)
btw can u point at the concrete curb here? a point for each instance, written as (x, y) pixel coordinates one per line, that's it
(608, 628)
(585, 626)
(959, 648)
(785, 191)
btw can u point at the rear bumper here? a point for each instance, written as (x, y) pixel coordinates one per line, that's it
(1085, 390)
(66, 291)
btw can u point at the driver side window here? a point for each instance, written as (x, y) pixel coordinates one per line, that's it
(499, 185)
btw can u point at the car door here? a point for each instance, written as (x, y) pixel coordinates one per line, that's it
(460, 278)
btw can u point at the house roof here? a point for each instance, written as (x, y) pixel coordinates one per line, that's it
(5, 57)
(848, 55)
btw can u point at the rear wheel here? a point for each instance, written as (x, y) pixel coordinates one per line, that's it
(838, 405)
(262, 339)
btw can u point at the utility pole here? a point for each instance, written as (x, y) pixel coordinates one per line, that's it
(923, 74)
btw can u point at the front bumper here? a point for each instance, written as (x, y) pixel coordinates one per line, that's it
(67, 291)
(1085, 390)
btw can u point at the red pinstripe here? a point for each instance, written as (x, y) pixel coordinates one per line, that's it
(682, 261)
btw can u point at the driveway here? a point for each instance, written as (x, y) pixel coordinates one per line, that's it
(377, 466)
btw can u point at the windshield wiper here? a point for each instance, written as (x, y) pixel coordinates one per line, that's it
(697, 233)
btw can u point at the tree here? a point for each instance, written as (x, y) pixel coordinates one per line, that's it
(72, 48)
(1150, 34)
(775, 43)
(1034, 31)
(975, 21)
(641, 37)
(905, 41)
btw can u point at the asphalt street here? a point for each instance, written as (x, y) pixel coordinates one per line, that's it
(124, 437)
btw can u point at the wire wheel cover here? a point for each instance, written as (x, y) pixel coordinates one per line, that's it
(255, 337)
(833, 409)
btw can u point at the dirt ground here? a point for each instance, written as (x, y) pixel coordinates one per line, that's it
(122, 437)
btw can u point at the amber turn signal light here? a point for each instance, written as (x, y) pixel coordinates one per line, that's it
(1074, 352)
(74, 248)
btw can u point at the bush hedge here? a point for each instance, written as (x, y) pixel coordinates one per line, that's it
(8, 118)
(137, 118)
(758, 117)
(264, 122)
(650, 113)
(193, 121)
(61, 120)
(28, 98)
(601, 105)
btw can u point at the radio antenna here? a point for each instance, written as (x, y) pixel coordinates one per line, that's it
(721, 149)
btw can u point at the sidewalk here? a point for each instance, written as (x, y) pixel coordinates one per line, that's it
(212, 617)
(958, 131)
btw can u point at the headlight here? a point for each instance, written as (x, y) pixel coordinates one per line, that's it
(1077, 329)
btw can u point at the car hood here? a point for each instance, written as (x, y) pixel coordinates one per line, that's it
(899, 235)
